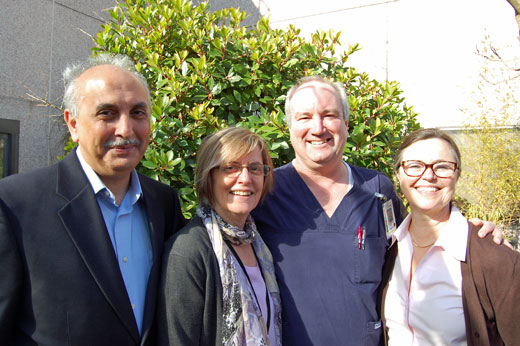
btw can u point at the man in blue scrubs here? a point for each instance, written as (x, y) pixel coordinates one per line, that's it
(325, 227)
(327, 269)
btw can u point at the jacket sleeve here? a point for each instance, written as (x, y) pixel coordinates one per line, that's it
(11, 281)
(492, 292)
(504, 291)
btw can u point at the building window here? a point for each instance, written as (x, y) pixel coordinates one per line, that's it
(9, 137)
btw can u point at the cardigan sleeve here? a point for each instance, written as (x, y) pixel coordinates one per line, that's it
(190, 295)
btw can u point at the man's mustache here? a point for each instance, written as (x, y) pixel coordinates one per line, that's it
(120, 142)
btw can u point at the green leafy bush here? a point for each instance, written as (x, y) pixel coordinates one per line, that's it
(206, 72)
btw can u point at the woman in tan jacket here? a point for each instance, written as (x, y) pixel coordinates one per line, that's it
(436, 289)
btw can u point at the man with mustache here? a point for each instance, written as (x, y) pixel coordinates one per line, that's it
(81, 241)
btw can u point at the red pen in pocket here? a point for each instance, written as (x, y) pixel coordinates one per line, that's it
(359, 237)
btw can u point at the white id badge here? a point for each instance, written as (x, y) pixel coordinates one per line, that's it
(389, 216)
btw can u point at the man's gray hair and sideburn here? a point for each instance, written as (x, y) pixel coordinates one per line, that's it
(73, 71)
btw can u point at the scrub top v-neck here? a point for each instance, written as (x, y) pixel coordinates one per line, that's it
(328, 284)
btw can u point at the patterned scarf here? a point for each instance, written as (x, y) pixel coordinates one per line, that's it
(243, 323)
(234, 234)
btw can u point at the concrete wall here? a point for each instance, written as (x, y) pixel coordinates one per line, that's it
(37, 39)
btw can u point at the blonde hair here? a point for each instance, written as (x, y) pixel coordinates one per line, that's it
(224, 146)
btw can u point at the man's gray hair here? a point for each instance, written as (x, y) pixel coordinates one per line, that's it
(338, 87)
(72, 72)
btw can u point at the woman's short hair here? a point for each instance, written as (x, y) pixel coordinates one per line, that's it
(228, 145)
(423, 134)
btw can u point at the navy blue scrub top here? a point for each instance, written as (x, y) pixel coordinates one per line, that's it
(328, 285)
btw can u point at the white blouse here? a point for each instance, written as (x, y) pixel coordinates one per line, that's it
(428, 310)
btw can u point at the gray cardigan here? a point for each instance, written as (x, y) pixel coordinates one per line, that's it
(189, 307)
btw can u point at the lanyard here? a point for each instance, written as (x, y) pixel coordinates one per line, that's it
(267, 301)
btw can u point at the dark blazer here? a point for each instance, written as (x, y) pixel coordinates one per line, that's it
(60, 280)
(490, 291)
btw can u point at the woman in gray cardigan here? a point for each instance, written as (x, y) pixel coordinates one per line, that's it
(219, 286)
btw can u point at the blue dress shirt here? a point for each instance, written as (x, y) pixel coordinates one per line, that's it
(127, 226)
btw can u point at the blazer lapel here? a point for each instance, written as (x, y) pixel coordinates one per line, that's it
(83, 220)
(155, 213)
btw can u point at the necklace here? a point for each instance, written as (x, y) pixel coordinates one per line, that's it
(421, 247)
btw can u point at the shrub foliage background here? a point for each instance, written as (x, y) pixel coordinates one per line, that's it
(206, 72)
(489, 187)
(490, 177)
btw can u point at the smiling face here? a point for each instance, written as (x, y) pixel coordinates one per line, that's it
(236, 196)
(318, 130)
(112, 127)
(429, 194)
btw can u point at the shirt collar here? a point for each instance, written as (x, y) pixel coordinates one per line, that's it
(453, 237)
(134, 190)
(350, 177)
(401, 231)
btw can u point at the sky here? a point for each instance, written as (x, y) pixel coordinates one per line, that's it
(433, 55)
(429, 47)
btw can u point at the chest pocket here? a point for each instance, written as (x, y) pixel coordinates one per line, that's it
(369, 261)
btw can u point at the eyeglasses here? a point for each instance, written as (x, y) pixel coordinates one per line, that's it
(442, 169)
(233, 169)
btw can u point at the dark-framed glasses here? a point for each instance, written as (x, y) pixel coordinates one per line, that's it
(416, 168)
(234, 168)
